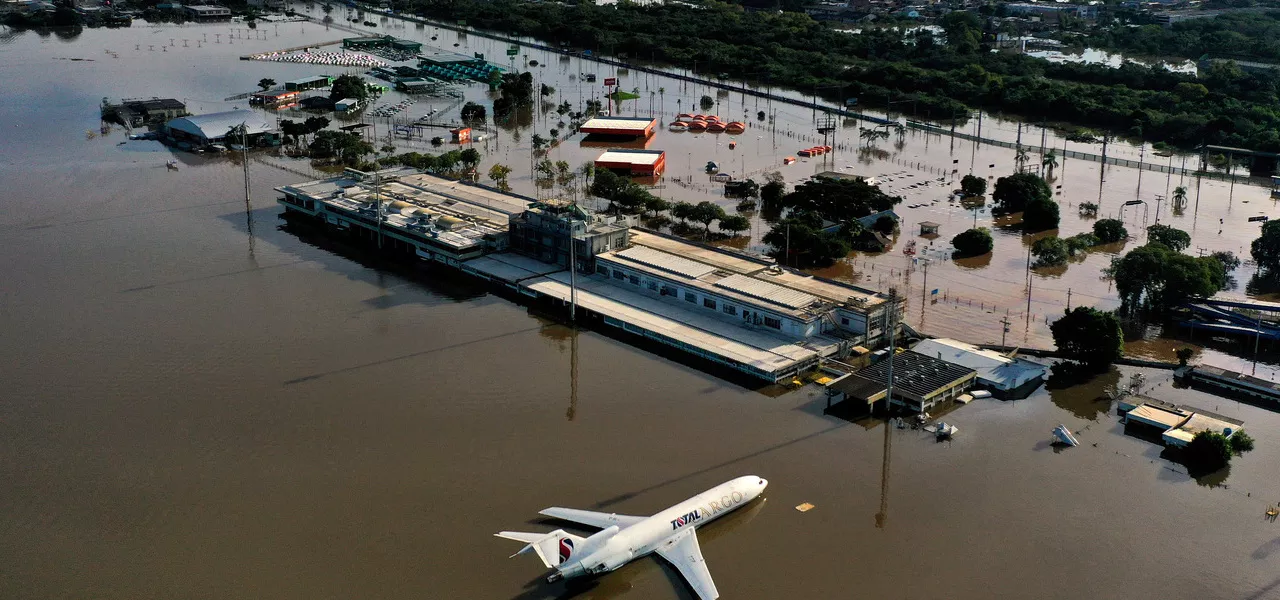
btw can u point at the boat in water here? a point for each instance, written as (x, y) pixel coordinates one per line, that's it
(1064, 436)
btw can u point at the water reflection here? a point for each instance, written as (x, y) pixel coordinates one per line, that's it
(1087, 400)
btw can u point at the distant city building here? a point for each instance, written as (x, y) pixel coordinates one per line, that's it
(268, 4)
(208, 13)
(1053, 10)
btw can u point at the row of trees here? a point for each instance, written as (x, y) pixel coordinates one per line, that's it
(626, 196)
(1224, 106)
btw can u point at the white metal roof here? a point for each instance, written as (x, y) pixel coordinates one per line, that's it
(1157, 416)
(666, 262)
(214, 126)
(992, 367)
(622, 123)
(766, 291)
(635, 157)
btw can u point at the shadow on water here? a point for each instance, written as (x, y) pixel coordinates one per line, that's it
(1203, 477)
(1086, 399)
(761, 452)
(440, 281)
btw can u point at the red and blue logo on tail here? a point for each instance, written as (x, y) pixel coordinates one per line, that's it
(566, 549)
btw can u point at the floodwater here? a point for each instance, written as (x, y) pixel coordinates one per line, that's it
(202, 403)
(974, 296)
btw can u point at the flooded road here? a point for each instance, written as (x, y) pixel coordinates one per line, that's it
(200, 403)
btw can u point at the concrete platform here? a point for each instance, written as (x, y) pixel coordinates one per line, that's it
(747, 349)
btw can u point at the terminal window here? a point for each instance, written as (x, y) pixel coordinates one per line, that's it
(617, 274)
(690, 297)
(635, 279)
(772, 322)
(709, 303)
(729, 309)
(603, 270)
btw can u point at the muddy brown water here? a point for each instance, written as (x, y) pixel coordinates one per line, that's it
(201, 403)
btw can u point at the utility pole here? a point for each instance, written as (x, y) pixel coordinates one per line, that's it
(1005, 323)
(1068, 298)
(893, 331)
(573, 276)
(1257, 336)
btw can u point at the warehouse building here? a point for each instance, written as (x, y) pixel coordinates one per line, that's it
(308, 83)
(642, 163)
(920, 382)
(201, 130)
(1005, 376)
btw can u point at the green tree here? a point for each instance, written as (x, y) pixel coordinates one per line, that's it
(771, 193)
(348, 148)
(1179, 197)
(706, 103)
(470, 158)
(1209, 451)
(1109, 231)
(735, 224)
(705, 212)
(499, 175)
(656, 205)
(973, 186)
(1089, 336)
(683, 211)
(1266, 249)
(1156, 277)
(608, 184)
(1014, 192)
(1040, 214)
(1175, 239)
(473, 113)
(1241, 442)
(349, 86)
(1184, 354)
(973, 242)
(1080, 242)
(1049, 162)
(1050, 252)
(798, 241)
(1228, 260)
(266, 83)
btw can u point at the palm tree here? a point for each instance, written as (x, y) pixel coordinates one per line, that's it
(1049, 161)
(662, 101)
(1021, 158)
(1179, 195)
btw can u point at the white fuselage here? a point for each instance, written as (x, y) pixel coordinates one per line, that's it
(642, 538)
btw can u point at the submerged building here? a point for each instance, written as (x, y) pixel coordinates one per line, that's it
(1004, 375)
(736, 310)
(201, 130)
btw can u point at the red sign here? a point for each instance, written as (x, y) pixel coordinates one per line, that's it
(611, 81)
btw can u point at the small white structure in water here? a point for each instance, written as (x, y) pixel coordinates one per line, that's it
(943, 430)
(1064, 435)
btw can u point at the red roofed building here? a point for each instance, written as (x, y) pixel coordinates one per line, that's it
(650, 163)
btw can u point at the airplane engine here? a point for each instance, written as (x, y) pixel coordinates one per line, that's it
(613, 562)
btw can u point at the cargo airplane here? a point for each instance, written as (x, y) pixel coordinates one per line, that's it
(624, 538)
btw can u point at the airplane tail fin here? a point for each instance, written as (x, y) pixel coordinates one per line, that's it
(552, 548)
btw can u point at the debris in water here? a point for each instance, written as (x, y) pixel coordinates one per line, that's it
(805, 507)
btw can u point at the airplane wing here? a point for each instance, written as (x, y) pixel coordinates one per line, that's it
(683, 552)
(590, 518)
